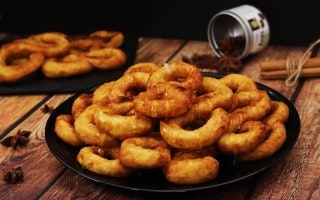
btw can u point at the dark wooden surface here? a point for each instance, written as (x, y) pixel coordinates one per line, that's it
(295, 177)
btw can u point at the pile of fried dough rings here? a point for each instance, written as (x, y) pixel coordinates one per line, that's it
(173, 118)
(59, 55)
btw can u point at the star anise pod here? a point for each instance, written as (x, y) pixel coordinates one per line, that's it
(13, 176)
(228, 64)
(223, 64)
(205, 61)
(21, 138)
(46, 109)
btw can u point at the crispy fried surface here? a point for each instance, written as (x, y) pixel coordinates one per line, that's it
(158, 119)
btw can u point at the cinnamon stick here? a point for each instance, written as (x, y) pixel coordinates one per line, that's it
(281, 64)
(274, 69)
(305, 72)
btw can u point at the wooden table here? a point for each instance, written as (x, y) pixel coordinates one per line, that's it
(295, 177)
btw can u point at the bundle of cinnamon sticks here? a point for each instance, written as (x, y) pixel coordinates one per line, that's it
(278, 68)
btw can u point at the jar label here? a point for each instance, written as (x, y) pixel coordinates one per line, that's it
(258, 24)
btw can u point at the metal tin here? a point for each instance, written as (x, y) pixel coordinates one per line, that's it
(244, 28)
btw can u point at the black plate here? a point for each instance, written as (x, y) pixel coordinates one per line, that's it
(37, 83)
(153, 180)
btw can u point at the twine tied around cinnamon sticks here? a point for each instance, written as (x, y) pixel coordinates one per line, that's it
(305, 67)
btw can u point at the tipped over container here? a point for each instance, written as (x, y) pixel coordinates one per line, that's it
(238, 32)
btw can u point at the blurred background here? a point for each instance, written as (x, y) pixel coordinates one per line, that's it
(291, 22)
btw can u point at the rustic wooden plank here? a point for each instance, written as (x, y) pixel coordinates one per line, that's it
(276, 177)
(157, 50)
(272, 53)
(150, 50)
(232, 191)
(279, 182)
(16, 106)
(229, 192)
(301, 164)
(251, 64)
(193, 47)
(72, 186)
(39, 165)
(298, 177)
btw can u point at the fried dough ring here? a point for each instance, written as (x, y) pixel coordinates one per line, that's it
(67, 66)
(144, 152)
(212, 94)
(30, 60)
(64, 128)
(102, 161)
(96, 40)
(135, 77)
(177, 73)
(271, 145)
(255, 111)
(84, 44)
(191, 168)
(113, 39)
(126, 87)
(101, 93)
(144, 67)
(25, 43)
(121, 92)
(122, 125)
(243, 99)
(107, 58)
(52, 44)
(169, 91)
(239, 82)
(250, 136)
(279, 114)
(89, 133)
(133, 81)
(173, 132)
(163, 101)
(80, 104)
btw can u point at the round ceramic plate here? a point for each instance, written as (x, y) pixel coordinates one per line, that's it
(230, 171)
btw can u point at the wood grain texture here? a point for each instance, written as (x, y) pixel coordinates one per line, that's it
(157, 50)
(14, 107)
(39, 166)
(295, 177)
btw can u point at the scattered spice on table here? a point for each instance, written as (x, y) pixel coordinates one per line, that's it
(224, 64)
(15, 175)
(46, 109)
(228, 64)
(21, 138)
